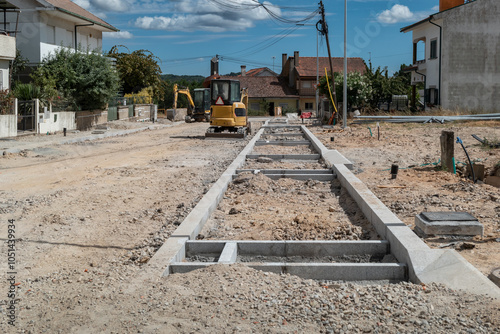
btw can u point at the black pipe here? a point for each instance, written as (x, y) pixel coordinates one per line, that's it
(459, 141)
(80, 25)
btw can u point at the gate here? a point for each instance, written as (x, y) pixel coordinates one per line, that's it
(112, 113)
(131, 110)
(26, 116)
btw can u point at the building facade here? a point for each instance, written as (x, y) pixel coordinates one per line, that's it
(45, 25)
(456, 54)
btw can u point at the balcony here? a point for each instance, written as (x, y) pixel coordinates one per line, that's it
(7, 47)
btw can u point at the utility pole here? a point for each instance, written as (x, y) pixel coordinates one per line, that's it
(324, 31)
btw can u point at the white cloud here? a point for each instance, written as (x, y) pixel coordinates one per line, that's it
(118, 35)
(111, 5)
(435, 8)
(205, 22)
(400, 13)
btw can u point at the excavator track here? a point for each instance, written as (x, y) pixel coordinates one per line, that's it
(215, 132)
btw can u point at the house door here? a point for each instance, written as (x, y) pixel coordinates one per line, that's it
(26, 115)
(271, 109)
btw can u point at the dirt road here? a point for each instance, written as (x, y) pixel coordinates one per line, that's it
(88, 216)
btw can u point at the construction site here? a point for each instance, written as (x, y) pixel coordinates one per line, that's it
(299, 227)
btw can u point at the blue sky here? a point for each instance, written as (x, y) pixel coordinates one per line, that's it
(186, 34)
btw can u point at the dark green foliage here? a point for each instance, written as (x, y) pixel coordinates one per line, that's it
(6, 102)
(86, 79)
(18, 64)
(138, 69)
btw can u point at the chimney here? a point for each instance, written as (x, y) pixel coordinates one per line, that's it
(284, 58)
(296, 58)
(243, 70)
(214, 65)
(447, 4)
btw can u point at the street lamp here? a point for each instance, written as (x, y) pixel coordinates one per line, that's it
(344, 105)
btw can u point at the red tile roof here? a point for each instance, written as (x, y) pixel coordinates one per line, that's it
(256, 71)
(307, 65)
(264, 87)
(73, 9)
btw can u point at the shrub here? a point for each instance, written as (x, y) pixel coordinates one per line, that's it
(86, 79)
(6, 102)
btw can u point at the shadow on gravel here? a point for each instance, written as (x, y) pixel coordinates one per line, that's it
(189, 137)
(71, 244)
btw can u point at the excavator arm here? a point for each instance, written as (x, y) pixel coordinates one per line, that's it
(184, 91)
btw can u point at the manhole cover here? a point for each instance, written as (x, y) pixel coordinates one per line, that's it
(448, 216)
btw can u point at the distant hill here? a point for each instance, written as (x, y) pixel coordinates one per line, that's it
(178, 78)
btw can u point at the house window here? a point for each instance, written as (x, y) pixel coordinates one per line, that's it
(51, 35)
(254, 106)
(309, 106)
(69, 38)
(1, 80)
(306, 84)
(433, 49)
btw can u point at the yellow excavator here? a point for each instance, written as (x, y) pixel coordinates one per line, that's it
(199, 108)
(228, 116)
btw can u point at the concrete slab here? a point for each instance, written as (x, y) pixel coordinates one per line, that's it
(447, 223)
(286, 156)
(283, 142)
(286, 171)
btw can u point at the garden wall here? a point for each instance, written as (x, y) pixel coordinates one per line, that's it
(8, 126)
(57, 121)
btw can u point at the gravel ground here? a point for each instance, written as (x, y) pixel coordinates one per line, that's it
(89, 216)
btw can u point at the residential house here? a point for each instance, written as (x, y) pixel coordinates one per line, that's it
(301, 74)
(45, 25)
(7, 44)
(294, 90)
(456, 55)
(257, 72)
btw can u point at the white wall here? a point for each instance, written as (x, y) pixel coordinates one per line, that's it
(65, 119)
(4, 74)
(471, 56)
(430, 68)
(8, 126)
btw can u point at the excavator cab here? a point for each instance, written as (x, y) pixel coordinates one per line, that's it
(202, 104)
(228, 113)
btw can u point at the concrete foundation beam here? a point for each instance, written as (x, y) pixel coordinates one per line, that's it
(331, 157)
(393, 272)
(285, 156)
(425, 265)
(283, 142)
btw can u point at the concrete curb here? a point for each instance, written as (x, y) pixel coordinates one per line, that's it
(425, 265)
(196, 219)
(331, 157)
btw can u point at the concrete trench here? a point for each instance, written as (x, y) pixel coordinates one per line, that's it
(313, 259)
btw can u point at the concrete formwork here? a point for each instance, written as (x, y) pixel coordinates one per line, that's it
(417, 261)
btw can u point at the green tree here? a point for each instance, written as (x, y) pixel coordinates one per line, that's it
(138, 69)
(85, 79)
(358, 89)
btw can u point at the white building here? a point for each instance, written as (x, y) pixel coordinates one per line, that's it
(7, 45)
(45, 25)
(456, 53)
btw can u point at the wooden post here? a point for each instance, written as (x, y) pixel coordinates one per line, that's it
(447, 150)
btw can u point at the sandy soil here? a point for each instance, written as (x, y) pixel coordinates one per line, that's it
(88, 216)
(415, 148)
